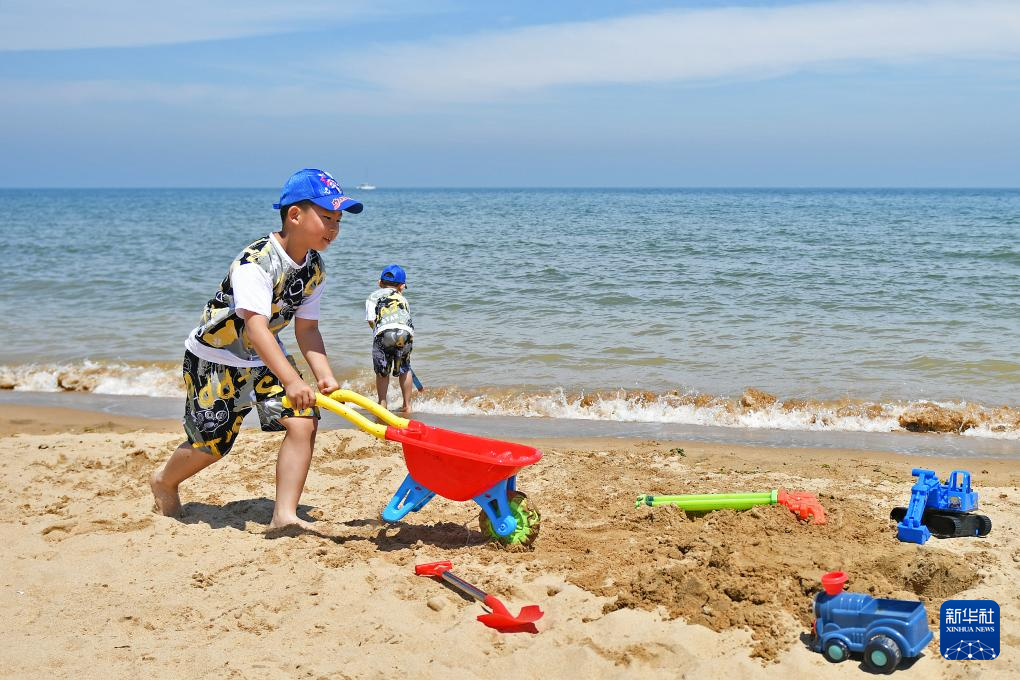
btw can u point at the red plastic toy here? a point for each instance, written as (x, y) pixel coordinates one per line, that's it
(833, 582)
(803, 504)
(459, 466)
(499, 616)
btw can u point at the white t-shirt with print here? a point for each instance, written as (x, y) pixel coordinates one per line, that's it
(252, 288)
(400, 320)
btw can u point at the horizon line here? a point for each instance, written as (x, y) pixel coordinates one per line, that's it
(697, 187)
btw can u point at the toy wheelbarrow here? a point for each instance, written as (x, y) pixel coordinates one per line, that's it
(454, 465)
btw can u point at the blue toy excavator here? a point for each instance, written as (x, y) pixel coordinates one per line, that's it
(942, 510)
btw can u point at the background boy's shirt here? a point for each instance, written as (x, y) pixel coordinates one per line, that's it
(265, 280)
(389, 310)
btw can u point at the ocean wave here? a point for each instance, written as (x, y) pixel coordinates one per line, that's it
(151, 379)
(753, 409)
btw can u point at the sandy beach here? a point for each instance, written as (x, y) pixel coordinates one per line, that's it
(681, 248)
(97, 585)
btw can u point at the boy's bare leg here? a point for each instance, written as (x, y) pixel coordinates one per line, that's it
(185, 462)
(406, 390)
(292, 470)
(382, 386)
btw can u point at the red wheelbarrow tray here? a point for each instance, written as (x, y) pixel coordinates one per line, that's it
(455, 465)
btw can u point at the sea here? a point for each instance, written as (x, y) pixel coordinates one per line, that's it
(851, 318)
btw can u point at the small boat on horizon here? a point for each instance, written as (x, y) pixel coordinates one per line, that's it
(366, 187)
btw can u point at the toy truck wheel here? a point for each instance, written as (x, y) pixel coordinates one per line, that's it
(835, 650)
(528, 522)
(882, 654)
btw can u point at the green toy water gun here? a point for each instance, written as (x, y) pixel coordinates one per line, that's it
(804, 505)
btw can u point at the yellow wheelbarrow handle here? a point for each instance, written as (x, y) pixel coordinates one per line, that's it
(371, 406)
(333, 403)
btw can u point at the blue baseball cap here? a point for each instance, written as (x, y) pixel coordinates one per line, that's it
(319, 187)
(394, 274)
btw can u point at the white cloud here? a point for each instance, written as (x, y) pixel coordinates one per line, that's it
(70, 24)
(673, 46)
(27, 99)
(694, 45)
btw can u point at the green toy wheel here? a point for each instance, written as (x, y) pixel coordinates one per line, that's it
(528, 522)
(882, 654)
(835, 651)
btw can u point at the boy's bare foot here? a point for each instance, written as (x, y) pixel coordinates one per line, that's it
(168, 502)
(284, 522)
(291, 528)
(404, 409)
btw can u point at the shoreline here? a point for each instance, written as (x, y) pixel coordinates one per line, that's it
(31, 421)
(149, 410)
(984, 419)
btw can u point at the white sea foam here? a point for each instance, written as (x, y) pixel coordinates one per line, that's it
(720, 413)
(644, 407)
(987, 432)
(97, 377)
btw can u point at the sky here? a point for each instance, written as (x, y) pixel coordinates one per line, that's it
(205, 93)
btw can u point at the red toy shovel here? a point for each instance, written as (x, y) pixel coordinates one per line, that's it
(499, 617)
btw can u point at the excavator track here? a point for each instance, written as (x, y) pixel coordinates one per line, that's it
(944, 524)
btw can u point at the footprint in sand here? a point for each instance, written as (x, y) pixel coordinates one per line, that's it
(63, 530)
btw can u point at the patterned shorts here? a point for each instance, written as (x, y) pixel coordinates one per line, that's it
(391, 352)
(219, 397)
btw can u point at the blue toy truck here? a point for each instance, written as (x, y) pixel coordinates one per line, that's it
(940, 509)
(886, 631)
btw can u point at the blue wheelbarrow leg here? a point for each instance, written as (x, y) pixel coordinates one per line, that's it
(410, 497)
(494, 503)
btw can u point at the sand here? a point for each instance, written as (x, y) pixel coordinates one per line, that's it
(95, 585)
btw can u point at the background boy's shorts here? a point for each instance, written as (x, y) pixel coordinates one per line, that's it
(391, 352)
(219, 397)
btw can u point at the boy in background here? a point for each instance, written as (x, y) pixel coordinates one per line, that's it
(234, 360)
(389, 316)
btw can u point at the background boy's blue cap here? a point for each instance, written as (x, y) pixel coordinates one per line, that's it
(319, 187)
(394, 274)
